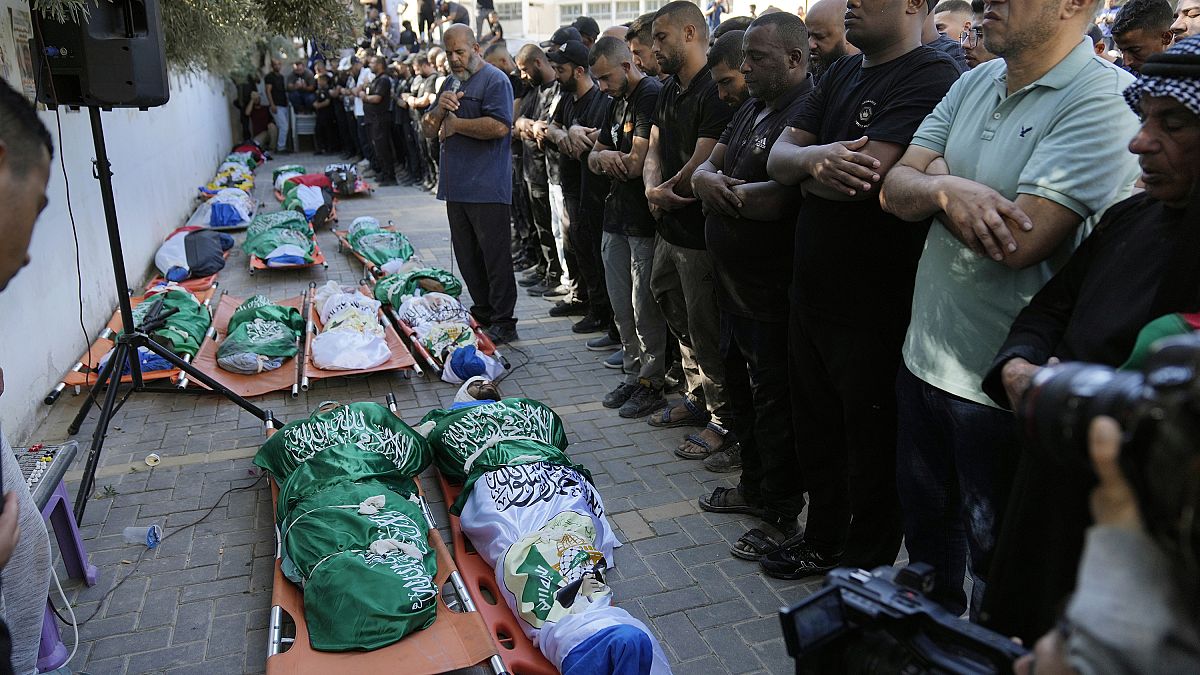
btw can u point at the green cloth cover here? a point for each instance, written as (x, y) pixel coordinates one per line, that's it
(262, 327)
(391, 289)
(269, 231)
(380, 246)
(183, 330)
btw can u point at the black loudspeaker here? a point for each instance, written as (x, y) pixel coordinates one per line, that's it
(113, 58)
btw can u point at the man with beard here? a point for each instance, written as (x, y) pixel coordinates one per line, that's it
(1009, 179)
(627, 246)
(473, 119)
(640, 37)
(852, 283)
(535, 106)
(749, 232)
(576, 125)
(827, 35)
(689, 119)
(725, 62)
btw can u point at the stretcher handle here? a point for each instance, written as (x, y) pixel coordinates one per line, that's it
(57, 391)
(301, 344)
(308, 331)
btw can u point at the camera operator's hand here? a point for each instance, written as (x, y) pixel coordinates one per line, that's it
(1049, 657)
(1016, 375)
(10, 534)
(1113, 502)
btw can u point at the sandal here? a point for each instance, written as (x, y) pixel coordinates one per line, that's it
(695, 447)
(728, 500)
(758, 542)
(696, 417)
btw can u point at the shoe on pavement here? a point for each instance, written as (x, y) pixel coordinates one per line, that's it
(568, 308)
(674, 378)
(538, 289)
(388, 181)
(615, 360)
(617, 397)
(501, 334)
(530, 280)
(556, 291)
(725, 461)
(798, 561)
(644, 401)
(589, 324)
(603, 343)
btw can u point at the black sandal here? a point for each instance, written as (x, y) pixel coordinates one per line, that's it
(758, 542)
(722, 500)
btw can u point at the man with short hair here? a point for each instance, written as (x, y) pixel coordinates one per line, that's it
(1099, 46)
(452, 13)
(377, 108)
(277, 98)
(1187, 19)
(932, 37)
(1142, 29)
(627, 244)
(972, 38)
(852, 282)
(582, 107)
(725, 62)
(589, 30)
(640, 37)
(953, 17)
(302, 87)
(535, 107)
(25, 156)
(1009, 178)
(473, 120)
(827, 35)
(363, 78)
(749, 231)
(687, 123)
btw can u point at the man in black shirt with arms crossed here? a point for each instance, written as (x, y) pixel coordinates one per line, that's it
(749, 231)
(852, 283)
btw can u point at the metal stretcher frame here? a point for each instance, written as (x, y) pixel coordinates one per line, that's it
(455, 640)
(87, 368)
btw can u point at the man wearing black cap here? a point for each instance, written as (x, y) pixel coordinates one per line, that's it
(588, 29)
(560, 38)
(573, 131)
(689, 119)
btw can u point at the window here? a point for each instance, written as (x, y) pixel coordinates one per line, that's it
(568, 13)
(627, 10)
(509, 11)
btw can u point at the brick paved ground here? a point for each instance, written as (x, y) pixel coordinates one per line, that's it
(199, 603)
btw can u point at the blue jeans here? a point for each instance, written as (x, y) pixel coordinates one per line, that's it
(951, 454)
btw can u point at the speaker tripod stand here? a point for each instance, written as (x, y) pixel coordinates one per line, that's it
(130, 340)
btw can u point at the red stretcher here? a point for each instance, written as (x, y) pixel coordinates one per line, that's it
(86, 370)
(297, 374)
(456, 640)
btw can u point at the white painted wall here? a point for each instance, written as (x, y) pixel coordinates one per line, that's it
(158, 157)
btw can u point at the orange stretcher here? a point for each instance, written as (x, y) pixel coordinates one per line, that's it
(296, 374)
(456, 640)
(86, 370)
(257, 263)
(343, 237)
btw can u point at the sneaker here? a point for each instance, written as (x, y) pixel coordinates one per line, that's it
(603, 343)
(568, 308)
(616, 360)
(617, 397)
(725, 461)
(529, 280)
(798, 561)
(643, 402)
(589, 324)
(556, 291)
(538, 289)
(501, 334)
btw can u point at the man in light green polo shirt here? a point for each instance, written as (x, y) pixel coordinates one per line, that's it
(1021, 152)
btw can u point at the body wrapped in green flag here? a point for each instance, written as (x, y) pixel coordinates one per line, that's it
(394, 288)
(182, 330)
(282, 237)
(260, 336)
(382, 247)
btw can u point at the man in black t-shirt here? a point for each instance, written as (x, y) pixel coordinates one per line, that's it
(687, 123)
(535, 106)
(278, 99)
(627, 243)
(452, 13)
(580, 96)
(377, 109)
(749, 231)
(326, 136)
(852, 284)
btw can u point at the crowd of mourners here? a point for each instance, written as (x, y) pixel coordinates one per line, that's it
(849, 240)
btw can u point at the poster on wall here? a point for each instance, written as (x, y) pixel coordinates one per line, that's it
(22, 37)
(6, 55)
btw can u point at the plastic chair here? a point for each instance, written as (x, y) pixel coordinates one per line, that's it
(303, 124)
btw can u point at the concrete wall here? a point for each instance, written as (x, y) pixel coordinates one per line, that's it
(158, 157)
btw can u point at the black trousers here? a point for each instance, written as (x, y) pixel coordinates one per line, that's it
(579, 289)
(364, 139)
(326, 131)
(348, 132)
(381, 140)
(482, 236)
(844, 416)
(539, 209)
(587, 229)
(412, 149)
(756, 379)
(526, 242)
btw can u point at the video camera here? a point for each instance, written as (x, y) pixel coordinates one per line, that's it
(1159, 413)
(882, 622)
